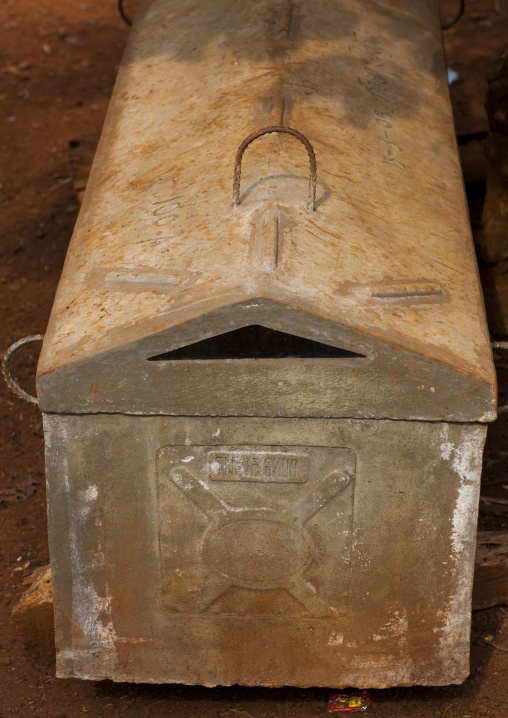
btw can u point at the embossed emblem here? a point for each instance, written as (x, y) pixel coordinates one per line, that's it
(249, 542)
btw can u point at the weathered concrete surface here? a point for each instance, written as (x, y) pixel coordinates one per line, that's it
(385, 265)
(388, 382)
(182, 552)
(196, 537)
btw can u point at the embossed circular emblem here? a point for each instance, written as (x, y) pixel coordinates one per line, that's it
(258, 552)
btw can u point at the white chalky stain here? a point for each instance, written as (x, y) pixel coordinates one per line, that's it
(336, 639)
(91, 493)
(466, 458)
(88, 607)
(396, 626)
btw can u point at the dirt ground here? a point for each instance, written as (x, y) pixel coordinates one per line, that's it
(58, 60)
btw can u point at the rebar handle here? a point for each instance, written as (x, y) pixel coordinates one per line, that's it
(124, 17)
(311, 202)
(454, 20)
(11, 383)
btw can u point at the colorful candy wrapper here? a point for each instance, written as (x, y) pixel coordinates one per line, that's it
(348, 702)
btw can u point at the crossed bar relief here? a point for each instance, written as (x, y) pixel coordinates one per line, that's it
(259, 548)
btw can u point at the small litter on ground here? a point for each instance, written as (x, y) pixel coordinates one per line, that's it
(339, 702)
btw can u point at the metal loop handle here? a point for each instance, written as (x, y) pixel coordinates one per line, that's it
(501, 345)
(7, 372)
(311, 203)
(122, 13)
(454, 20)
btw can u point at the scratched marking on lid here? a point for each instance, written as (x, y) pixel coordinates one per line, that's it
(407, 290)
(137, 277)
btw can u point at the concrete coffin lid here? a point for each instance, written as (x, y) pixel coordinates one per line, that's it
(384, 266)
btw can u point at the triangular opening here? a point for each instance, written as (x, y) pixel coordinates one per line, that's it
(257, 342)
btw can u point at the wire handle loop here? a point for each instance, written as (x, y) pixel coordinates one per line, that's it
(501, 345)
(454, 20)
(311, 202)
(11, 383)
(124, 17)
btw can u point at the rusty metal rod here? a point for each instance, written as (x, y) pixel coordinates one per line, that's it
(124, 17)
(311, 203)
(6, 371)
(454, 20)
